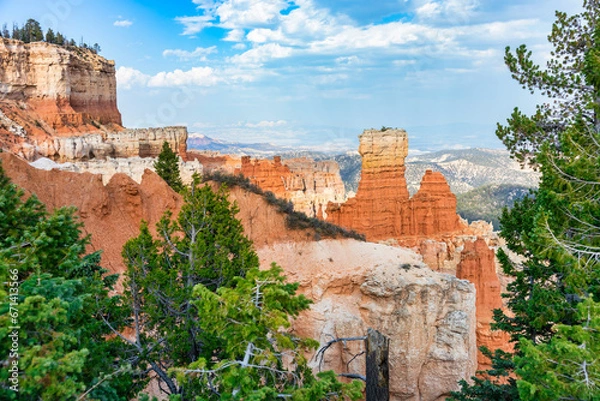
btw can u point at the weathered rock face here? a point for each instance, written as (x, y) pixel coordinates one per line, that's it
(429, 317)
(134, 167)
(112, 213)
(478, 265)
(65, 87)
(308, 184)
(381, 208)
(61, 103)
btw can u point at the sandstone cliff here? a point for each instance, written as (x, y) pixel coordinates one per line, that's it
(382, 209)
(65, 87)
(478, 265)
(61, 103)
(429, 317)
(112, 213)
(310, 185)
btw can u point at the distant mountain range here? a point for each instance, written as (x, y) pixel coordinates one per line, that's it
(484, 180)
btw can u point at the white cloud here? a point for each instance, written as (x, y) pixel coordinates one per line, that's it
(241, 13)
(235, 35)
(123, 23)
(193, 25)
(261, 54)
(450, 11)
(267, 124)
(128, 77)
(199, 76)
(199, 53)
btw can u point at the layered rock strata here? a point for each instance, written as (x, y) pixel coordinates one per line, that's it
(65, 87)
(134, 167)
(61, 103)
(308, 184)
(478, 265)
(382, 208)
(429, 317)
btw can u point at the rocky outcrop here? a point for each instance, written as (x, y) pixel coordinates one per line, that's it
(61, 103)
(134, 167)
(478, 265)
(429, 317)
(112, 213)
(382, 208)
(64, 87)
(308, 184)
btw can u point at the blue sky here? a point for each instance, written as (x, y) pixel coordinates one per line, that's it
(311, 72)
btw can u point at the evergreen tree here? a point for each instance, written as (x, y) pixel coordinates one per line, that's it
(167, 167)
(250, 320)
(204, 245)
(562, 81)
(5, 32)
(32, 31)
(191, 297)
(60, 39)
(63, 350)
(556, 230)
(567, 366)
(50, 37)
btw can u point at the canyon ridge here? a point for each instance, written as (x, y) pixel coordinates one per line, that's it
(424, 277)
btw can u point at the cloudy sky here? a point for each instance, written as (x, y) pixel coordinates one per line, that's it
(311, 72)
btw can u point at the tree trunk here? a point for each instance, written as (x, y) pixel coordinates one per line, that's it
(378, 371)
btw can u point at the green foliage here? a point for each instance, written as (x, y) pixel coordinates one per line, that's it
(204, 245)
(197, 303)
(167, 167)
(564, 81)
(555, 231)
(259, 358)
(62, 350)
(32, 32)
(496, 384)
(567, 366)
(294, 220)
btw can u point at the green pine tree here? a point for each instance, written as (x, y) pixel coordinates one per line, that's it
(567, 366)
(63, 351)
(204, 245)
(556, 230)
(250, 322)
(563, 81)
(167, 167)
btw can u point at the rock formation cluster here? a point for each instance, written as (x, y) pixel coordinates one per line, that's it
(382, 208)
(310, 185)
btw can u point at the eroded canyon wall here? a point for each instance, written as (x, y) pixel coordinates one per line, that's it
(310, 185)
(61, 103)
(429, 317)
(477, 264)
(65, 87)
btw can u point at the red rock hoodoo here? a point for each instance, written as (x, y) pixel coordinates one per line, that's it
(477, 265)
(382, 208)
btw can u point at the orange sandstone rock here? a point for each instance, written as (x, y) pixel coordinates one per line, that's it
(477, 265)
(308, 184)
(381, 208)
